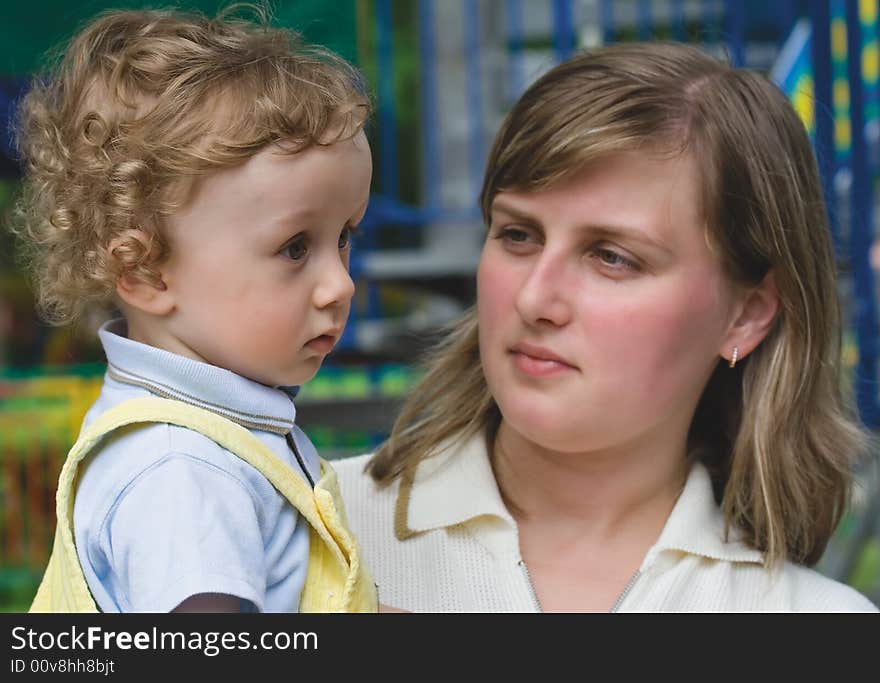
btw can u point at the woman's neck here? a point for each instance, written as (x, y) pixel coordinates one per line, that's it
(597, 493)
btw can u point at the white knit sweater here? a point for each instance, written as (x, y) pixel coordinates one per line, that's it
(446, 543)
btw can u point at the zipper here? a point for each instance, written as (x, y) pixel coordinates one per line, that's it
(617, 603)
(525, 569)
(291, 443)
(626, 589)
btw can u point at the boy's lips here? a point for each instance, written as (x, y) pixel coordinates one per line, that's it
(323, 343)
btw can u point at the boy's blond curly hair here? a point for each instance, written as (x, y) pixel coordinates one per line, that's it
(139, 105)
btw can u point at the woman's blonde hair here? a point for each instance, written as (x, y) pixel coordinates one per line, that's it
(776, 432)
(139, 105)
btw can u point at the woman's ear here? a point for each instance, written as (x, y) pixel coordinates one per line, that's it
(757, 313)
(138, 287)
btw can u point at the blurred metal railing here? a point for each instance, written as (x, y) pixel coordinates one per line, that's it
(476, 57)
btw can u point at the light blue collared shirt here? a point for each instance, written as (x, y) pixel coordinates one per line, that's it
(162, 513)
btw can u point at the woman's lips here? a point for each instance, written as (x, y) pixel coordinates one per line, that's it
(537, 361)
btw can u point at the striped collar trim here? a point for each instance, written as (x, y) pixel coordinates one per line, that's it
(265, 422)
(169, 375)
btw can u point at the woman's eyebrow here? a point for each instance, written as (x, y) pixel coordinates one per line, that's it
(603, 230)
(625, 232)
(512, 211)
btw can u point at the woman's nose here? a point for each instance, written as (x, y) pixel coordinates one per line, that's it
(544, 295)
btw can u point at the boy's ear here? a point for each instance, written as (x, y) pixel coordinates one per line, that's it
(758, 311)
(145, 291)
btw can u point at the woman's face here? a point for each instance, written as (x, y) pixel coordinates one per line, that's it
(602, 308)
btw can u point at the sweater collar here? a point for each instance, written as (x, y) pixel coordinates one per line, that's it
(169, 375)
(458, 484)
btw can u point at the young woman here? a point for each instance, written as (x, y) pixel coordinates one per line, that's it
(643, 412)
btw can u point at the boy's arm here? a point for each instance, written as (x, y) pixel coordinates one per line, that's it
(209, 602)
(182, 538)
(384, 609)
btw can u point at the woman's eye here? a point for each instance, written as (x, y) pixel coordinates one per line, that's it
(515, 240)
(514, 235)
(611, 258)
(296, 250)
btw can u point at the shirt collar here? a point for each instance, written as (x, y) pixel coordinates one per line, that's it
(169, 375)
(451, 487)
(696, 525)
(458, 484)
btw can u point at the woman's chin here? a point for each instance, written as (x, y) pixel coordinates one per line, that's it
(546, 430)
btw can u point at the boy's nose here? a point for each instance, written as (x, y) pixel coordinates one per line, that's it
(335, 286)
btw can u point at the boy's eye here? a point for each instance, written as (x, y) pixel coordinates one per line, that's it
(345, 238)
(296, 249)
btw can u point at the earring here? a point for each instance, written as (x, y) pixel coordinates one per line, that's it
(734, 356)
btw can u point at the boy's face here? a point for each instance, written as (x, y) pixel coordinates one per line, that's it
(258, 271)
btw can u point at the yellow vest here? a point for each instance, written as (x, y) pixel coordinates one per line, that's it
(336, 581)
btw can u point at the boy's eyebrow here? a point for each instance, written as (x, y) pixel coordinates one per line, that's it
(286, 225)
(296, 217)
(291, 213)
(600, 230)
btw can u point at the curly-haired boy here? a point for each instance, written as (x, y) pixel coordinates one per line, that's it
(204, 176)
